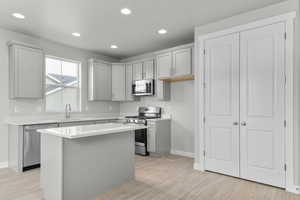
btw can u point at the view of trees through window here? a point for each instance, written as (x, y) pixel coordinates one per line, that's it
(62, 84)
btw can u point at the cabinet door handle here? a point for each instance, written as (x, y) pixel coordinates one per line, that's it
(235, 123)
(243, 123)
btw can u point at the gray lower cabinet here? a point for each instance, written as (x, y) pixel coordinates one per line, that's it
(24, 143)
(159, 136)
(99, 81)
(118, 82)
(26, 71)
(85, 168)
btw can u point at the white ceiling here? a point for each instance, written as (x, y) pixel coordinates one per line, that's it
(101, 24)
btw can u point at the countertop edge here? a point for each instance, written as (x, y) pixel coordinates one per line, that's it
(92, 132)
(58, 121)
(50, 121)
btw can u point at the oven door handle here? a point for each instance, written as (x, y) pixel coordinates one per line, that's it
(140, 144)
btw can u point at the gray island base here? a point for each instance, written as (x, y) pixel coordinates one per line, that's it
(85, 167)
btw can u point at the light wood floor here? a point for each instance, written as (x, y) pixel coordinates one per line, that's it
(166, 178)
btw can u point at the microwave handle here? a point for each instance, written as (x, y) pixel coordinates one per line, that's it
(133, 88)
(153, 87)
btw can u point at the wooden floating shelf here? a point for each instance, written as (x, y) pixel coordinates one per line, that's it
(178, 79)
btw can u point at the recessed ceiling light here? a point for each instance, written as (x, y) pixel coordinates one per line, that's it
(18, 15)
(162, 31)
(113, 46)
(125, 11)
(76, 34)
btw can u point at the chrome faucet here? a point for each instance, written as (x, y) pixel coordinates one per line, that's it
(68, 111)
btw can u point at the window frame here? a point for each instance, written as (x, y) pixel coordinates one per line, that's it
(79, 87)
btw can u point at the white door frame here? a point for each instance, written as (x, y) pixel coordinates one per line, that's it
(288, 19)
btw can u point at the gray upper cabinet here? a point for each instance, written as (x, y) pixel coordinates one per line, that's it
(148, 69)
(164, 65)
(137, 71)
(128, 77)
(143, 70)
(26, 71)
(182, 62)
(100, 81)
(118, 82)
(175, 63)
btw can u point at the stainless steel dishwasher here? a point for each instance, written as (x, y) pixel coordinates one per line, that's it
(32, 145)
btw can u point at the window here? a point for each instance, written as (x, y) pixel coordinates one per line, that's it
(62, 84)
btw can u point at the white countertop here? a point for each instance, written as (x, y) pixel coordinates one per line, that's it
(21, 121)
(91, 130)
(37, 120)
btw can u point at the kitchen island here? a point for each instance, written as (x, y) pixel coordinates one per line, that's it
(82, 162)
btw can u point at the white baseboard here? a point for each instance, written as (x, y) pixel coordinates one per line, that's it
(198, 167)
(294, 189)
(3, 165)
(182, 153)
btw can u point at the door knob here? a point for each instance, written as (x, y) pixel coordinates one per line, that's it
(235, 123)
(243, 123)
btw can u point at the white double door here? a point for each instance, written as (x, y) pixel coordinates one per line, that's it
(244, 104)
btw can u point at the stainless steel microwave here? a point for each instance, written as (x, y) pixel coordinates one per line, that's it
(143, 88)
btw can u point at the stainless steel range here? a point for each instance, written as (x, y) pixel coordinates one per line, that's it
(144, 113)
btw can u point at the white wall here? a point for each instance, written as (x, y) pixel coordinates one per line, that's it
(30, 107)
(180, 107)
(273, 10)
(182, 111)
